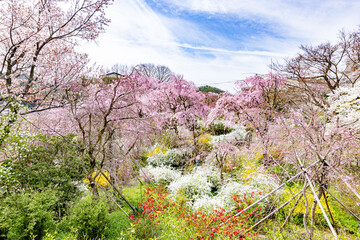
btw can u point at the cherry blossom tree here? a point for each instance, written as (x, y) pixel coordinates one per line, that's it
(211, 99)
(106, 112)
(313, 139)
(222, 153)
(37, 56)
(176, 103)
(321, 152)
(256, 104)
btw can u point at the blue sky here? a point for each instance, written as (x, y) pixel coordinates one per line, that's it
(217, 42)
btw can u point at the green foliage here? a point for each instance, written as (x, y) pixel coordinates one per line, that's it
(56, 235)
(208, 88)
(134, 194)
(219, 128)
(344, 220)
(46, 160)
(273, 230)
(345, 223)
(37, 162)
(88, 218)
(8, 119)
(118, 224)
(28, 215)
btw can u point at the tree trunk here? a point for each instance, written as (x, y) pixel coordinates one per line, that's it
(92, 184)
(313, 209)
(306, 213)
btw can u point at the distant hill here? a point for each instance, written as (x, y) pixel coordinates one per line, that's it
(208, 88)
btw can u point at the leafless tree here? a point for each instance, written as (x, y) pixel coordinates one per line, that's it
(318, 70)
(159, 72)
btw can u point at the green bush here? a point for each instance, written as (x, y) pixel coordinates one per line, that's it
(119, 223)
(219, 128)
(89, 218)
(38, 162)
(27, 215)
(208, 88)
(171, 157)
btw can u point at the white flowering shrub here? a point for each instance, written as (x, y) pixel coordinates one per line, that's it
(163, 174)
(18, 144)
(234, 188)
(265, 182)
(224, 197)
(192, 185)
(7, 177)
(238, 134)
(208, 203)
(198, 187)
(345, 105)
(210, 173)
(5, 171)
(171, 157)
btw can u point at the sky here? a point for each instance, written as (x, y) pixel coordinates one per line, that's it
(216, 42)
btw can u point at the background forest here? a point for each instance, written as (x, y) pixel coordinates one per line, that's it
(140, 153)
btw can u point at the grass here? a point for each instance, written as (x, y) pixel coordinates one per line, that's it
(272, 230)
(119, 222)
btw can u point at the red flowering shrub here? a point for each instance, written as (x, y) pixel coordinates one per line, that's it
(147, 223)
(159, 215)
(218, 223)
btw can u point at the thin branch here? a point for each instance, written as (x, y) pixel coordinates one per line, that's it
(116, 203)
(346, 208)
(117, 190)
(294, 206)
(320, 205)
(276, 189)
(275, 211)
(344, 180)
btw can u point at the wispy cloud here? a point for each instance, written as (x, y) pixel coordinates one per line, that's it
(306, 19)
(225, 51)
(217, 41)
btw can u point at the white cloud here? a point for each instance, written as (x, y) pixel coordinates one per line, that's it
(139, 35)
(225, 51)
(309, 20)
(136, 22)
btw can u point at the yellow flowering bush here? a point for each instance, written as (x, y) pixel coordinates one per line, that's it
(100, 180)
(300, 208)
(259, 156)
(249, 171)
(204, 140)
(156, 150)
